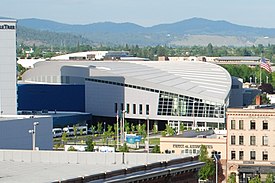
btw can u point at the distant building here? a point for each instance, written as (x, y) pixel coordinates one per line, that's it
(8, 69)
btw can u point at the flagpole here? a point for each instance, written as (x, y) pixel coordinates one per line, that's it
(261, 69)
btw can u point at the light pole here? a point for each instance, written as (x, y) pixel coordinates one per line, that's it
(33, 131)
(117, 128)
(104, 126)
(217, 158)
(122, 128)
(148, 144)
(193, 112)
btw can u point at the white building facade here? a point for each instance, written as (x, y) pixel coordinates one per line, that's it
(8, 91)
(193, 93)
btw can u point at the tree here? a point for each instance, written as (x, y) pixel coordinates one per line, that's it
(64, 138)
(169, 130)
(90, 144)
(232, 178)
(126, 126)
(92, 128)
(99, 127)
(124, 148)
(133, 128)
(255, 179)
(208, 170)
(71, 148)
(156, 149)
(269, 178)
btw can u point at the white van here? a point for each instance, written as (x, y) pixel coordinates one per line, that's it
(57, 132)
(69, 131)
(84, 130)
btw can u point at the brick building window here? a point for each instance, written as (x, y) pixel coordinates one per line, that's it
(240, 124)
(241, 154)
(265, 125)
(253, 140)
(252, 125)
(252, 155)
(264, 140)
(241, 140)
(233, 124)
(233, 155)
(233, 140)
(265, 155)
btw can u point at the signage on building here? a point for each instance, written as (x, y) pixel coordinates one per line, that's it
(6, 26)
(181, 146)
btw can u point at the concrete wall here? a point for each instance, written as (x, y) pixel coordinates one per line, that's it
(8, 97)
(14, 133)
(91, 158)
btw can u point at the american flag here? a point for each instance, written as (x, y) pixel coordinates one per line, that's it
(265, 65)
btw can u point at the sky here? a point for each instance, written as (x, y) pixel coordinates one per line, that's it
(256, 13)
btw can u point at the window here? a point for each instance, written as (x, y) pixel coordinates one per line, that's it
(265, 155)
(121, 106)
(264, 140)
(127, 108)
(252, 125)
(147, 109)
(240, 124)
(140, 108)
(233, 124)
(233, 155)
(241, 155)
(252, 140)
(233, 140)
(265, 125)
(252, 155)
(116, 110)
(241, 140)
(134, 108)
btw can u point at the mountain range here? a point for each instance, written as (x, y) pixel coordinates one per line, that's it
(194, 31)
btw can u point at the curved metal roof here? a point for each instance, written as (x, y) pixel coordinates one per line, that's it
(197, 79)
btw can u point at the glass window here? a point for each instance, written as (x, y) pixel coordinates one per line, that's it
(233, 155)
(240, 124)
(134, 108)
(147, 109)
(233, 139)
(252, 140)
(252, 155)
(241, 140)
(265, 155)
(252, 125)
(127, 108)
(265, 140)
(140, 108)
(241, 154)
(265, 125)
(121, 106)
(116, 110)
(233, 124)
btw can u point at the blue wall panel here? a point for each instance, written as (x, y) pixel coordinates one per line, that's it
(51, 97)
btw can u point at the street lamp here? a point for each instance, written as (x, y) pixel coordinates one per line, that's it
(33, 131)
(217, 158)
(122, 127)
(104, 126)
(148, 144)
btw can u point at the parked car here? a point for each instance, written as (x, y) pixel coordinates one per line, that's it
(57, 132)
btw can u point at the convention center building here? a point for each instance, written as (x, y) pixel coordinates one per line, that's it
(195, 94)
